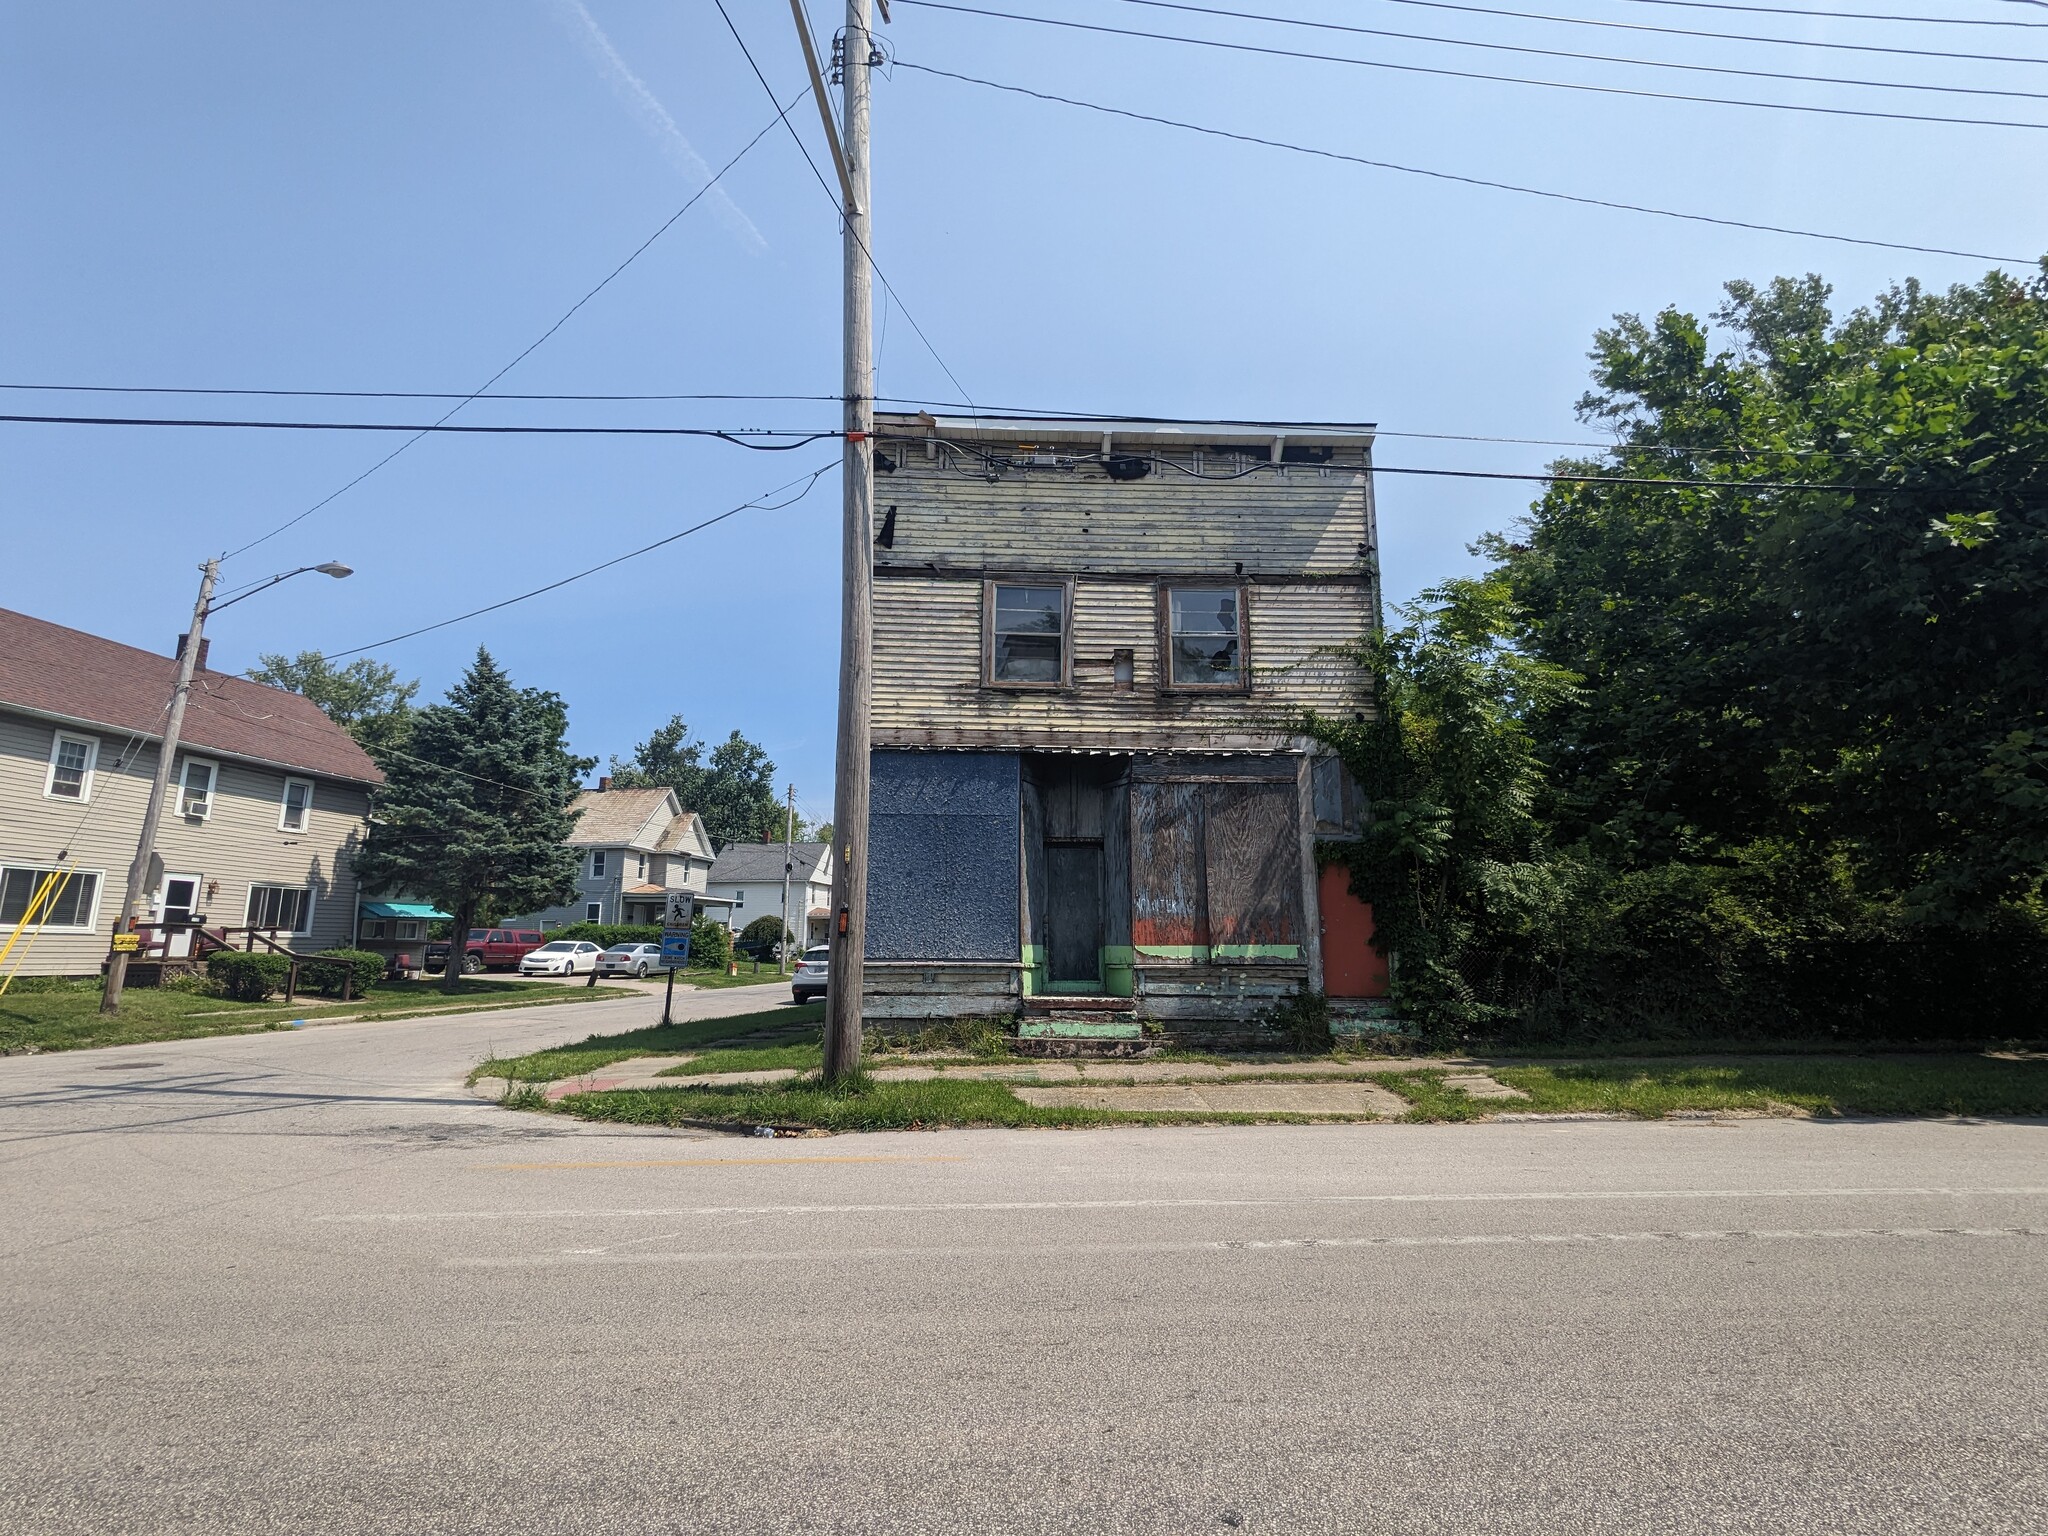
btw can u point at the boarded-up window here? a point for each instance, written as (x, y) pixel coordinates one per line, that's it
(1252, 863)
(1216, 866)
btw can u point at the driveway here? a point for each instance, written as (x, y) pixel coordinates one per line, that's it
(303, 1282)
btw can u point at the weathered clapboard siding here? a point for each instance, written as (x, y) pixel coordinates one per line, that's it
(237, 846)
(929, 689)
(908, 992)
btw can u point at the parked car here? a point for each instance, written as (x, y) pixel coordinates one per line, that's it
(489, 949)
(630, 960)
(812, 972)
(564, 957)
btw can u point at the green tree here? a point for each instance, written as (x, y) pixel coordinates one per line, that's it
(477, 811)
(734, 792)
(365, 698)
(1853, 669)
(1467, 892)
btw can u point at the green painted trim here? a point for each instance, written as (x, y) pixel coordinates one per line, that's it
(1034, 970)
(1119, 970)
(1172, 951)
(1065, 1029)
(1255, 952)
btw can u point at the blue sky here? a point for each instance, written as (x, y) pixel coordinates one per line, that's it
(387, 196)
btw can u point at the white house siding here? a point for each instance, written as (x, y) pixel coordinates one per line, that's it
(766, 901)
(237, 846)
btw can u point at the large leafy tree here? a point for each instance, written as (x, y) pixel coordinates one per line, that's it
(477, 810)
(734, 791)
(1837, 641)
(365, 698)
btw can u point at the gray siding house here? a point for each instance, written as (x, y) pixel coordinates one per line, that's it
(1095, 644)
(634, 846)
(268, 801)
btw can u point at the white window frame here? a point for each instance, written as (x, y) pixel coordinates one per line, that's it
(409, 928)
(739, 898)
(99, 889)
(597, 863)
(312, 900)
(205, 812)
(284, 807)
(92, 761)
(641, 865)
(593, 911)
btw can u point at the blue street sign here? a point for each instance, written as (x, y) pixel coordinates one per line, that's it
(675, 947)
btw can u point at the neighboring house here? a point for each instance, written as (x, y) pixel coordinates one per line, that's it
(268, 799)
(633, 847)
(397, 930)
(1094, 644)
(749, 875)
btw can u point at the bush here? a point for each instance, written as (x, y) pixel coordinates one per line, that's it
(763, 932)
(367, 965)
(710, 945)
(245, 976)
(608, 934)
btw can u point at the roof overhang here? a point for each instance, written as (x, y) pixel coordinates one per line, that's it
(423, 909)
(1132, 432)
(186, 745)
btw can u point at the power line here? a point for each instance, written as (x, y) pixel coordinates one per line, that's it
(1561, 53)
(833, 197)
(376, 394)
(1781, 10)
(737, 436)
(759, 503)
(1466, 74)
(567, 314)
(1730, 37)
(1471, 181)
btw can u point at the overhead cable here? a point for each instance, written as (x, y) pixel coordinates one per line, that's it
(1727, 37)
(1467, 74)
(759, 503)
(1783, 10)
(737, 436)
(533, 346)
(1563, 53)
(832, 197)
(1471, 181)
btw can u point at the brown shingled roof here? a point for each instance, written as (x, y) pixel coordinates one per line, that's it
(52, 670)
(610, 817)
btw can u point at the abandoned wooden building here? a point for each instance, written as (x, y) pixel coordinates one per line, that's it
(1094, 645)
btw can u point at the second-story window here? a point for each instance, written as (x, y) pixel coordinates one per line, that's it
(1027, 635)
(1205, 637)
(195, 788)
(597, 863)
(292, 816)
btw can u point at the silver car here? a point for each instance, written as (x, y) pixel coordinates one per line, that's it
(630, 960)
(811, 973)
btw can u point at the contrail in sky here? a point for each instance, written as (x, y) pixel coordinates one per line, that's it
(653, 116)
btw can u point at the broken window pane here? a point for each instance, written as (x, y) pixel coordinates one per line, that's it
(1203, 636)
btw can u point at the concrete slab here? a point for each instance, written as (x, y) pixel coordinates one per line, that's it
(1226, 1098)
(1477, 1085)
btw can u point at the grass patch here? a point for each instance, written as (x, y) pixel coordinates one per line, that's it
(748, 977)
(804, 1055)
(65, 1015)
(599, 1051)
(1888, 1085)
(860, 1104)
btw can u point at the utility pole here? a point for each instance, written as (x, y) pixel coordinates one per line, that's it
(850, 791)
(788, 837)
(138, 870)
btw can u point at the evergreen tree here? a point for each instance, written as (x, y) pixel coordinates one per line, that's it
(477, 811)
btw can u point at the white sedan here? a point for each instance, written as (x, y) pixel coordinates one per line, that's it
(564, 957)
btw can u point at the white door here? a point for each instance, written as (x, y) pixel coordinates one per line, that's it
(177, 903)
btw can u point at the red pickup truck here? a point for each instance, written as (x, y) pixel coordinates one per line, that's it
(489, 949)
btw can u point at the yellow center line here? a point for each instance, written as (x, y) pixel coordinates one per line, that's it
(704, 1162)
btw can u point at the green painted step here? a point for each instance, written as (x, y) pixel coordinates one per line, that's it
(1077, 1029)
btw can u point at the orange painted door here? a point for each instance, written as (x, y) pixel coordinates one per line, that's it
(1351, 966)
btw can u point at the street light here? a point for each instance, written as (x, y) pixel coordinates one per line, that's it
(188, 661)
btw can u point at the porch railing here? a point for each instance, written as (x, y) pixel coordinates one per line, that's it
(158, 939)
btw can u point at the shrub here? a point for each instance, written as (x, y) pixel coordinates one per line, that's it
(367, 966)
(608, 934)
(763, 931)
(196, 985)
(710, 945)
(245, 976)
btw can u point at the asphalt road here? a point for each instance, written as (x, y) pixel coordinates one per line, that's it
(303, 1283)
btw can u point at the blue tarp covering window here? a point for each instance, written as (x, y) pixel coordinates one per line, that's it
(942, 856)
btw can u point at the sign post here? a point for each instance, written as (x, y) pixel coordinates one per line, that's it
(676, 923)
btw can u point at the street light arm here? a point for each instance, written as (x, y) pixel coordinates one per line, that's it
(332, 568)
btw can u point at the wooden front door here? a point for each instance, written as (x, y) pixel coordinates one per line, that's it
(1073, 917)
